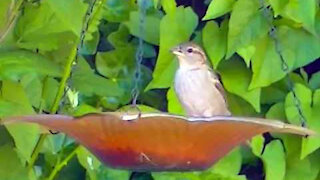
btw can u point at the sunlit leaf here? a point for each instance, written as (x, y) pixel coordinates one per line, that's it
(218, 8)
(239, 84)
(172, 32)
(215, 41)
(274, 162)
(151, 27)
(14, 64)
(14, 93)
(247, 24)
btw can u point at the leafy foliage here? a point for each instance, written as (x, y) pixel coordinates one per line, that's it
(262, 50)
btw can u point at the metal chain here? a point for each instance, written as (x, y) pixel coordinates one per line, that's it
(266, 11)
(139, 54)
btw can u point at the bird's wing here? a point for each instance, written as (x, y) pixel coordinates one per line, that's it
(217, 83)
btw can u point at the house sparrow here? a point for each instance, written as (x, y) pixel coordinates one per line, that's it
(198, 88)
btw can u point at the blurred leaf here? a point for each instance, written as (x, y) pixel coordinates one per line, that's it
(229, 165)
(239, 84)
(174, 105)
(105, 173)
(277, 111)
(5, 8)
(218, 8)
(14, 64)
(298, 46)
(117, 10)
(303, 12)
(257, 144)
(40, 27)
(84, 109)
(265, 57)
(14, 92)
(274, 162)
(90, 46)
(151, 27)
(247, 24)
(70, 12)
(239, 107)
(215, 41)
(89, 162)
(10, 166)
(88, 83)
(33, 88)
(50, 89)
(120, 37)
(117, 63)
(314, 81)
(172, 32)
(169, 6)
(278, 6)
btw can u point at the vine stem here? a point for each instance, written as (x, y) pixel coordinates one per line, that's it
(64, 162)
(55, 105)
(66, 74)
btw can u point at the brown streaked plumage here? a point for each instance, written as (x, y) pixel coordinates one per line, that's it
(197, 86)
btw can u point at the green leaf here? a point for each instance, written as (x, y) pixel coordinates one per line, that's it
(14, 92)
(33, 88)
(151, 27)
(218, 8)
(117, 10)
(169, 6)
(40, 28)
(257, 144)
(70, 12)
(246, 53)
(298, 46)
(229, 165)
(277, 111)
(10, 165)
(172, 32)
(88, 83)
(239, 107)
(310, 144)
(314, 81)
(303, 12)
(90, 46)
(247, 24)
(174, 105)
(310, 110)
(307, 168)
(304, 96)
(265, 57)
(89, 162)
(274, 162)
(239, 84)
(116, 63)
(215, 41)
(15, 64)
(278, 6)
(5, 9)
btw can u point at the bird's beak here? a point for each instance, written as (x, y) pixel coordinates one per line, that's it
(176, 51)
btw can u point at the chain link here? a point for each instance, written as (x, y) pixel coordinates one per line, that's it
(139, 54)
(266, 11)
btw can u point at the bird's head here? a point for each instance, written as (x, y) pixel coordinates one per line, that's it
(190, 55)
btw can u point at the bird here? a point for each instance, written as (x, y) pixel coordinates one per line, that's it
(196, 84)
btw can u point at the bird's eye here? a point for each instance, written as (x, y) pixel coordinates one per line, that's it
(189, 50)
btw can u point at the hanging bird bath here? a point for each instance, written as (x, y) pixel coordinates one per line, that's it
(158, 141)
